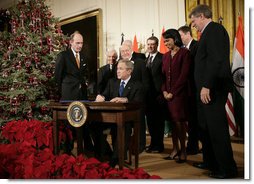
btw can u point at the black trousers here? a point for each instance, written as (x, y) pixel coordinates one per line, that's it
(193, 131)
(155, 117)
(216, 144)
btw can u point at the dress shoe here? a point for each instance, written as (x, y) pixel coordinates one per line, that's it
(200, 165)
(222, 175)
(171, 157)
(154, 150)
(180, 161)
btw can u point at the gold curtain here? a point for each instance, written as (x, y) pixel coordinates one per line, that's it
(225, 12)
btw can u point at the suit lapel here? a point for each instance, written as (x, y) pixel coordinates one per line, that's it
(72, 58)
(156, 62)
(82, 60)
(127, 88)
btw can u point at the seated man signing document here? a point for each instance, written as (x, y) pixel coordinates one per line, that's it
(121, 90)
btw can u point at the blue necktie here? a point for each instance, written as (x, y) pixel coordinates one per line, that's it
(121, 88)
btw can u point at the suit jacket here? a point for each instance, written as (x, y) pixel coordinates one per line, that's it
(136, 55)
(140, 73)
(70, 79)
(133, 90)
(104, 75)
(212, 64)
(155, 76)
(193, 48)
(176, 72)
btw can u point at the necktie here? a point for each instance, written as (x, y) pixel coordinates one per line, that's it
(149, 63)
(77, 60)
(121, 88)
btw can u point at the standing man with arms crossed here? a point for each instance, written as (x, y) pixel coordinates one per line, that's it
(213, 80)
(71, 73)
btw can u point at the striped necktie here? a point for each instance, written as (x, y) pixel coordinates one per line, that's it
(149, 62)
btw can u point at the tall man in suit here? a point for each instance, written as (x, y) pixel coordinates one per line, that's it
(193, 133)
(71, 74)
(121, 90)
(213, 80)
(71, 70)
(140, 73)
(107, 71)
(155, 109)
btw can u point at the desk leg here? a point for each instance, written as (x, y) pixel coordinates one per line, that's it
(120, 139)
(55, 133)
(136, 138)
(80, 146)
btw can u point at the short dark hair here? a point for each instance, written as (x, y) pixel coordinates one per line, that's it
(154, 38)
(185, 29)
(201, 9)
(174, 34)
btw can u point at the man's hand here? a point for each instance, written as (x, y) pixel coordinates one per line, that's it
(119, 100)
(205, 95)
(100, 98)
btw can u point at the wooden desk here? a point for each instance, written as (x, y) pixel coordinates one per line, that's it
(118, 113)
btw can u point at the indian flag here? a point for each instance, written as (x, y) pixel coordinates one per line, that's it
(238, 77)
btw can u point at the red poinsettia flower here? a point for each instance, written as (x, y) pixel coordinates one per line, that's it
(29, 155)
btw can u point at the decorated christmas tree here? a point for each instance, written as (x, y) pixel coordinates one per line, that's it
(27, 60)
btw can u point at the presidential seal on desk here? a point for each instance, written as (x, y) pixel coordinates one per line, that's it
(77, 114)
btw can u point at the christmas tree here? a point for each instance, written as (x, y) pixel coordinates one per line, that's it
(27, 61)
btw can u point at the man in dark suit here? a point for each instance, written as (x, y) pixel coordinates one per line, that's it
(71, 74)
(213, 80)
(193, 133)
(155, 109)
(121, 90)
(107, 71)
(140, 73)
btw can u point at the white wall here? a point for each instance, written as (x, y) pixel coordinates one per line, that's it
(130, 17)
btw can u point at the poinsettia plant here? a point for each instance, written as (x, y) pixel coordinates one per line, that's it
(27, 153)
(37, 133)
